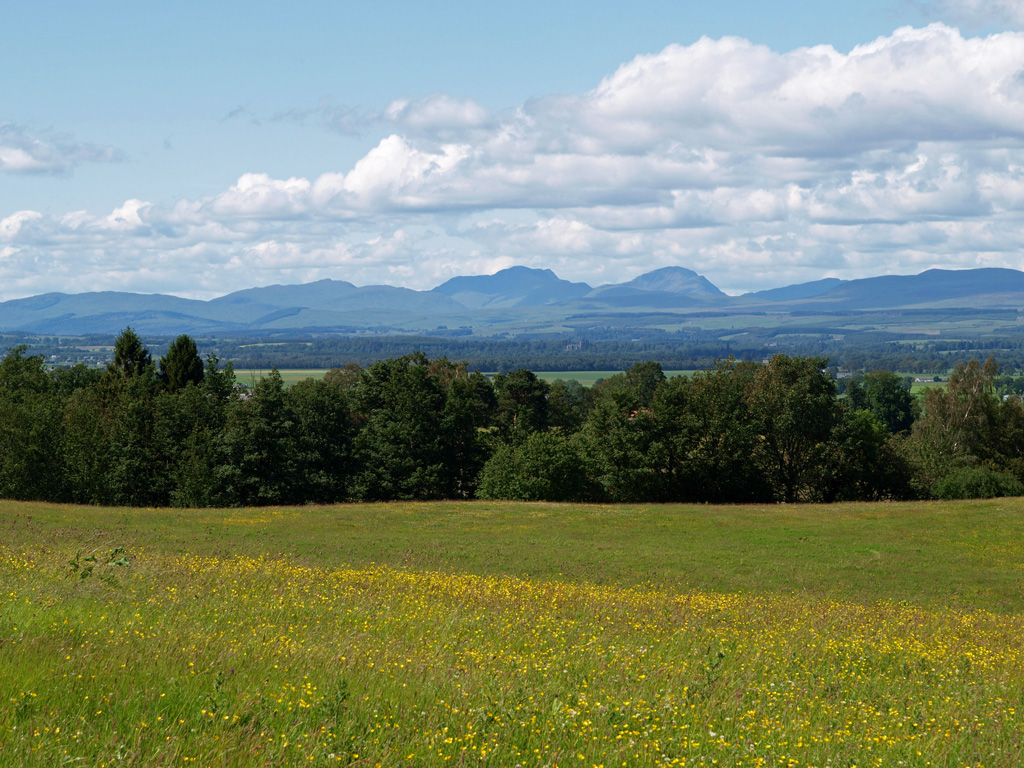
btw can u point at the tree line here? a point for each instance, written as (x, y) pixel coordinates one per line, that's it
(178, 431)
(594, 350)
(676, 351)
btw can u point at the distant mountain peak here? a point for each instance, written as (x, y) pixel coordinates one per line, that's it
(661, 277)
(672, 284)
(512, 287)
(675, 280)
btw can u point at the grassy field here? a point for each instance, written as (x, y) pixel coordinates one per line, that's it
(590, 378)
(289, 376)
(513, 634)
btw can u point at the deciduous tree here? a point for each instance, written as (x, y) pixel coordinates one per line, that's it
(794, 405)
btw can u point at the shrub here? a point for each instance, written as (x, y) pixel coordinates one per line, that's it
(545, 467)
(977, 483)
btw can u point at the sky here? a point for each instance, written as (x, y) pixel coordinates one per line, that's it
(202, 148)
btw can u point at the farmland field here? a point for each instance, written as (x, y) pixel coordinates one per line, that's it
(590, 378)
(513, 634)
(289, 376)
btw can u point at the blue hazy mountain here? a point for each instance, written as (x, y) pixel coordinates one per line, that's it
(325, 303)
(672, 280)
(341, 296)
(935, 288)
(512, 287)
(512, 298)
(663, 288)
(798, 291)
(97, 312)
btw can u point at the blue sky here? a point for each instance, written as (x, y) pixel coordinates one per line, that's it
(198, 149)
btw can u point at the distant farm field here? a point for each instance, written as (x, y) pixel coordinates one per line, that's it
(589, 378)
(511, 634)
(289, 376)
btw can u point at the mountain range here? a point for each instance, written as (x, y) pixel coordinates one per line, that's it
(518, 298)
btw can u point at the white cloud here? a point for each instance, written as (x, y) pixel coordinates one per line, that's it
(437, 112)
(256, 195)
(927, 84)
(750, 165)
(394, 173)
(22, 151)
(128, 216)
(11, 226)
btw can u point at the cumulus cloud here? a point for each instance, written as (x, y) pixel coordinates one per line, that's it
(750, 165)
(22, 151)
(258, 196)
(11, 226)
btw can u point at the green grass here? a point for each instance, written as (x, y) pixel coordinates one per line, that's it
(934, 553)
(513, 634)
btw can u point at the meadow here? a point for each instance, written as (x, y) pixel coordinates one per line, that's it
(507, 634)
(290, 376)
(590, 378)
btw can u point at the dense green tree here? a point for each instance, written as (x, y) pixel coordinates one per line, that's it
(69, 380)
(324, 440)
(627, 439)
(193, 424)
(623, 443)
(469, 405)
(959, 421)
(400, 447)
(860, 462)
(887, 396)
(567, 405)
(522, 404)
(413, 427)
(959, 427)
(110, 452)
(794, 405)
(86, 446)
(261, 447)
(345, 378)
(138, 468)
(545, 466)
(643, 380)
(1009, 435)
(218, 382)
(181, 365)
(30, 435)
(131, 358)
(22, 374)
(710, 436)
